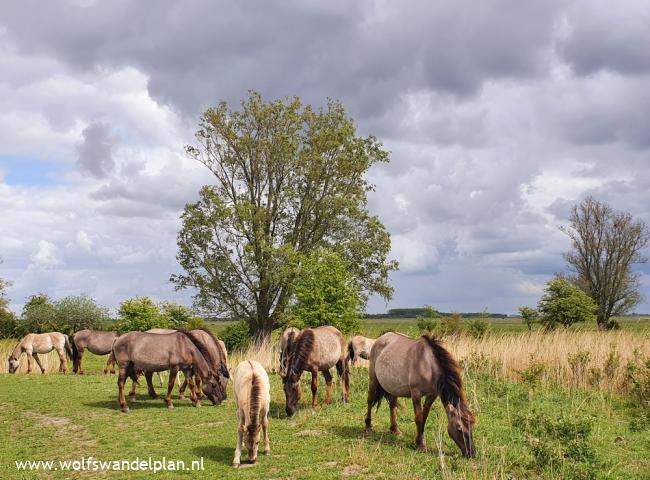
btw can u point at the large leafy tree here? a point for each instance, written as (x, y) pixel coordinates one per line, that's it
(605, 246)
(287, 179)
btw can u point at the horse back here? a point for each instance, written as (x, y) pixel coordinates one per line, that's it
(329, 347)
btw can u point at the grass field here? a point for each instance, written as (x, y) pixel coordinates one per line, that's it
(530, 425)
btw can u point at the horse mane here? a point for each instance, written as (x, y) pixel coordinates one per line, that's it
(198, 343)
(450, 383)
(255, 400)
(300, 352)
(222, 355)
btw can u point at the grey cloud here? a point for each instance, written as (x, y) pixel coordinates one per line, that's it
(604, 36)
(96, 150)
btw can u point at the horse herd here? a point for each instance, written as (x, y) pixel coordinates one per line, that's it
(398, 366)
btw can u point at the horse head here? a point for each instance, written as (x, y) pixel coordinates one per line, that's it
(13, 364)
(459, 428)
(215, 385)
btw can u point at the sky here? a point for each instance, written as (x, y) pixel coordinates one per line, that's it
(499, 116)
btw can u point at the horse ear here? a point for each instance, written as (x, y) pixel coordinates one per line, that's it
(451, 408)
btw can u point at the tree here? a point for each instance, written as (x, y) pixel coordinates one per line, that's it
(605, 245)
(141, 314)
(429, 320)
(529, 316)
(76, 312)
(4, 301)
(325, 293)
(564, 304)
(287, 180)
(38, 315)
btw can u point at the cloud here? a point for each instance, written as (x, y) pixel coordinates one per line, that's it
(499, 116)
(95, 151)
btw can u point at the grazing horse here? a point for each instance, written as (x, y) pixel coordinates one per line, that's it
(286, 344)
(34, 343)
(97, 342)
(359, 350)
(252, 391)
(314, 350)
(401, 366)
(178, 351)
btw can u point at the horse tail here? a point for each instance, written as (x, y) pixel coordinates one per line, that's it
(68, 349)
(132, 374)
(350, 352)
(377, 395)
(75, 351)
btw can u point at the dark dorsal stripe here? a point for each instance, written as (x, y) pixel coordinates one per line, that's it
(299, 354)
(450, 383)
(255, 400)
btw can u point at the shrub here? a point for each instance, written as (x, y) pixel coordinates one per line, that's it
(528, 316)
(637, 378)
(141, 313)
(8, 324)
(236, 336)
(326, 293)
(451, 325)
(578, 363)
(565, 304)
(480, 326)
(429, 321)
(74, 313)
(178, 316)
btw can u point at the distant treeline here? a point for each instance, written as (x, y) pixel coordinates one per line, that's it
(414, 312)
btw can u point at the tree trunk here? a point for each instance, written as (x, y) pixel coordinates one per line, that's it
(262, 328)
(603, 321)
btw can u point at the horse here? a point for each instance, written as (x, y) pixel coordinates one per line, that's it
(252, 391)
(359, 350)
(178, 351)
(34, 343)
(98, 342)
(209, 340)
(286, 344)
(314, 350)
(401, 366)
(161, 331)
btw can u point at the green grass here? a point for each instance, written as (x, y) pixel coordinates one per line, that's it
(66, 417)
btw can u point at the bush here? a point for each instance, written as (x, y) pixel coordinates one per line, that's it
(565, 304)
(480, 326)
(429, 321)
(451, 325)
(141, 314)
(8, 324)
(74, 313)
(179, 316)
(236, 336)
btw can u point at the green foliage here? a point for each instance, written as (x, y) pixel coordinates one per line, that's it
(76, 312)
(9, 325)
(141, 313)
(288, 180)
(479, 327)
(565, 304)
(637, 378)
(38, 316)
(236, 336)
(325, 293)
(178, 316)
(559, 442)
(578, 363)
(529, 316)
(428, 321)
(451, 325)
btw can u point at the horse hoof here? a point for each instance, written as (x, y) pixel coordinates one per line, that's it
(267, 452)
(182, 397)
(235, 464)
(421, 448)
(125, 410)
(197, 404)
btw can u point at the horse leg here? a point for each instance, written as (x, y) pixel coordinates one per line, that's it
(38, 361)
(392, 403)
(150, 389)
(314, 389)
(173, 372)
(193, 396)
(328, 382)
(419, 420)
(344, 374)
(373, 385)
(76, 364)
(63, 365)
(181, 391)
(121, 380)
(240, 440)
(132, 392)
(109, 363)
(199, 386)
(265, 428)
(29, 361)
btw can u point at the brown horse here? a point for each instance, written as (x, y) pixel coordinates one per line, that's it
(359, 350)
(286, 344)
(97, 342)
(315, 350)
(401, 366)
(178, 351)
(34, 343)
(252, 392)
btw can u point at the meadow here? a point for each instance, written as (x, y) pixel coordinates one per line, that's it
(559, 405)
